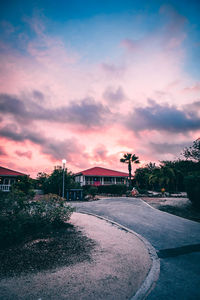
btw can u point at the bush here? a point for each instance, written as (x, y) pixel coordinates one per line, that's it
(20, 217)
(114, 189)
(25, 184)
(142, 191)
(51, 209)
(89, 190)
(192, 183)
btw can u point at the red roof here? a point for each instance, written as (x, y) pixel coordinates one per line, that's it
(8, 172)
(98, 171)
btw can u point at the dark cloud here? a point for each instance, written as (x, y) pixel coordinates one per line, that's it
(162, 117)
(87, 112)
(12, 132)
(55, 148)
(114, 95)
(38, 95)
(168, 148)
(12, 106)
(27, 154)
(100, 153)
(192, 107)
(112, 69)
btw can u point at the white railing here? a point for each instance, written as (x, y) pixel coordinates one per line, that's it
(105, 182)
(5, 187)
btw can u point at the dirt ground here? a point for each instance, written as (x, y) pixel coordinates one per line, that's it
(181, 207)
(61, 247)
(117, 266)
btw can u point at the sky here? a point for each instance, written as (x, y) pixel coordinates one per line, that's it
(87, 81)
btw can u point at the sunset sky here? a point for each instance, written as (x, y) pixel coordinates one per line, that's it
(89, 80)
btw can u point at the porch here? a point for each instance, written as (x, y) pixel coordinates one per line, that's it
(96, 181)
(5, 187)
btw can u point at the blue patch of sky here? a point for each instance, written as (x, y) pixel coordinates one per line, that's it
(95, 28)
(100, 37)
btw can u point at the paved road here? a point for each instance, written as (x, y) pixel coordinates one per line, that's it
(176, 240)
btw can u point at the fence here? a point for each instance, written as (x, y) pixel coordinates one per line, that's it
(74, 195)
(5, 187)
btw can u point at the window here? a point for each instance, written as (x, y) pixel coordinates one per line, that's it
(6, 181)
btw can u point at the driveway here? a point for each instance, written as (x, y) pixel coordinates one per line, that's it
(176, 240)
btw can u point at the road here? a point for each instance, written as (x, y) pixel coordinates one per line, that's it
(176, 240)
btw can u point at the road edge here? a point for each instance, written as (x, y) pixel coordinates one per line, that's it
(153, 274)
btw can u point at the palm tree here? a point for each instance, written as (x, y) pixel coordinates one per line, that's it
(129, 158)
(163, 176)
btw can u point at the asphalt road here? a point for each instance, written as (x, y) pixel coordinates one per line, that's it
(176, 240)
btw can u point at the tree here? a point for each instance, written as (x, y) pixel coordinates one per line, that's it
(25, 185)
(154, 177)
(162, 177)
(142, 175)
(129, 158)
(192, 183)
(41, 179)
(193, 152)
(53, 183)
(167, 177)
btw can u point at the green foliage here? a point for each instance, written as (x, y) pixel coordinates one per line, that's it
(41, 180)
(142, 191)
(129, 158)
(192, 183)
(52, 209)
(193, 152)
(24, 185)
(141, 178)
(113, 189)
(169, 175)
(90, 190)
(53, 183)
(20, 217)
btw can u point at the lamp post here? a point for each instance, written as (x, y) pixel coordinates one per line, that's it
(63, 187)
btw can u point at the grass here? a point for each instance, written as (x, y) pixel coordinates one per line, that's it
(185, 212)
(177, 207)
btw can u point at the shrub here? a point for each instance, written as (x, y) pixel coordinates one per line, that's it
(114, 189)
(25, 184)
(20, 217)
(90, 190)
(192, 183)
(142, 191)
(52, 209)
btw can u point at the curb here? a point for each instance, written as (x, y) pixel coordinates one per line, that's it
(153, 275)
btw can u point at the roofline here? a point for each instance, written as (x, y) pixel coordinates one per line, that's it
(20, 173)
(101, 175)
(12, 175)
(80, 173)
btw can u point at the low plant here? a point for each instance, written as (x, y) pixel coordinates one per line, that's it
(90, 191)
(192, 183)
(52, 209)
(21, 217)
(114, 189)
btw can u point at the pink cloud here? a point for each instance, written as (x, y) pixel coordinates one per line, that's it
(27, 154)
(67, 108)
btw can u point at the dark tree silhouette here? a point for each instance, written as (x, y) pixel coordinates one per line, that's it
(193, 152)
(129, 158)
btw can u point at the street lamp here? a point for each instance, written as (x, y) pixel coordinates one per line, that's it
(63, 190)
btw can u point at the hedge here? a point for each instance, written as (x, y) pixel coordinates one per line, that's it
(192, 183)
(114, 189)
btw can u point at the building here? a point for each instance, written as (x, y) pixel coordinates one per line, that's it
(100, 176)
(7, 178)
